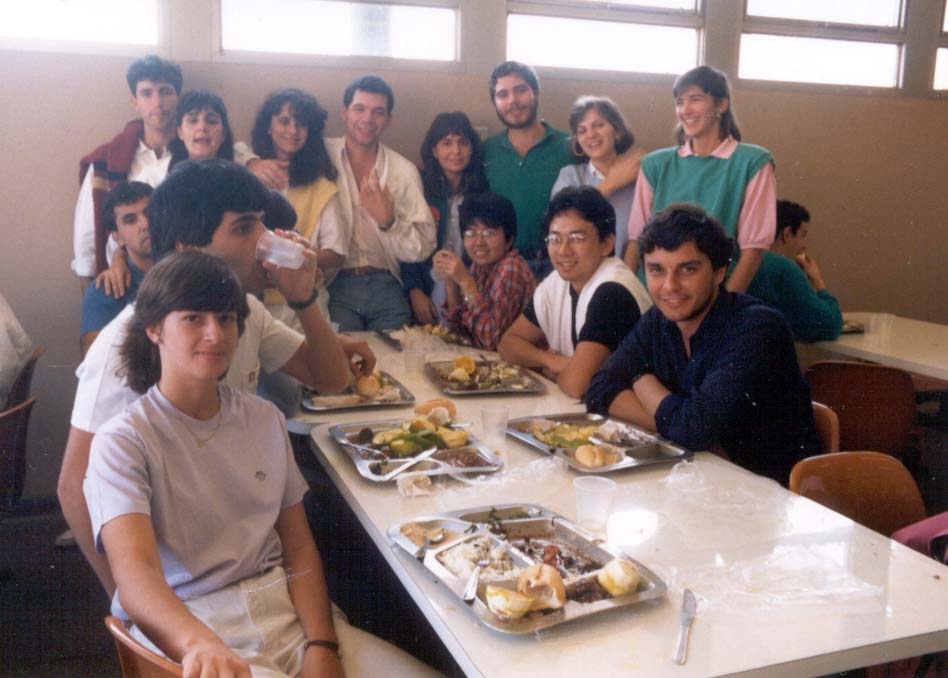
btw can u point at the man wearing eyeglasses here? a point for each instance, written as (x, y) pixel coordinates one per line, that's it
(581, 312)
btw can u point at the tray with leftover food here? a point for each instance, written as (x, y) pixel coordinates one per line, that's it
(379, 389)
(403, 337)
(466, 376)
(591, 443)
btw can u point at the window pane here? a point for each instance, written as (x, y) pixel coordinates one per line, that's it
(650, 4)
(944, 26)
(868, 12)
(339, 28)
(606, 45)
(941, 69)
(122, 22)
(840, 62)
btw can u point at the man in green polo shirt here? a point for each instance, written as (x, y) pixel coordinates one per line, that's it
(523, 161)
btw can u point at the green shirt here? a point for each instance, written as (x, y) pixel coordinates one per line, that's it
(527, 181)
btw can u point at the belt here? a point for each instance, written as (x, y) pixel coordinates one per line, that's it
(362, 270)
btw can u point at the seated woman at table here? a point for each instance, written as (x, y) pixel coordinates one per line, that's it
(581, 312)
(484, 300)
(452, 167)
(196, 500)
(602, 144)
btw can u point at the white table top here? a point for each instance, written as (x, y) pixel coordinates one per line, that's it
(911, 345)
(786, 587)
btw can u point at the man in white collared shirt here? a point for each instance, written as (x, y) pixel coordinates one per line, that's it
(381, 196)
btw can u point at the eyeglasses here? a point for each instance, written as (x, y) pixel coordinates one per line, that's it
(485, 233)
(574, 237)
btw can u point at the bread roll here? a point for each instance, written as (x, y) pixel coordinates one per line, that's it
(506, 604)
(367, 386)
(544, 584)
(618, 577)
(589, 455)
(426, 407)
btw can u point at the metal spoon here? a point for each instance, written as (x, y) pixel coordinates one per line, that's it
(470, 590)
(434, 536)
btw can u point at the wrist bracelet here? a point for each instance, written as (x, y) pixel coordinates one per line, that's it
(300, 305)
(328, 644)
(468, 298)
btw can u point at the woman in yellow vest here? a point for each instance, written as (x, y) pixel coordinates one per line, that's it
(289, 129)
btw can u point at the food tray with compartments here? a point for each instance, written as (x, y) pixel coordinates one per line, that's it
(490, 377)
(350, 400)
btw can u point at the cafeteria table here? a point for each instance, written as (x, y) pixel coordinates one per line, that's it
(785, 586)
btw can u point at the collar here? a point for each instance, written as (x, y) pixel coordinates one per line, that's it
(547, 133)
(718, 318)
(723, 151)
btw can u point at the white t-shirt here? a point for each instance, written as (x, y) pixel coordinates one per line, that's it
(102, 393)
(214, 504)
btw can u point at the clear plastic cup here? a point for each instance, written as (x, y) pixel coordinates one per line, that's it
(279, 251)
(494, 425)
(594, 498)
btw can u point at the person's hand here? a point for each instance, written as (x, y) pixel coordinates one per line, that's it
(812, 271)
(422, 306)
(321, 663)
(296, 284)
(555, 364)
(209, 660)
(273, 173)
(377, 200)
(358, 348)
(623, 172)
(449, 265)
(116, 278)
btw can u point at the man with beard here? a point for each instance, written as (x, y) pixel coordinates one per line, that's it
(523, 162)
(706, 367)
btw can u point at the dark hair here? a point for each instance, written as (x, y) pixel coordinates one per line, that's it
(123, 193)
(526, 72)
(195, 101)
(715, 83)
(183, 281)
(588, 203)
(610, 111)
(279, 212)
(312, 161)
(156, 69)
(791, 215)
(492, 210)
(369, 83)
(188, 206)
(473, 179)
(683, 222)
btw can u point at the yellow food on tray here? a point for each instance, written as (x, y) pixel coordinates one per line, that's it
(595, 456)
(564, 435)
(466, 363)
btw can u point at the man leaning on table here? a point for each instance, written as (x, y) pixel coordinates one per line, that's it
(705, 367)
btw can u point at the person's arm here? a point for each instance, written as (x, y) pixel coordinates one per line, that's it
(623, 172)
(812, 315)
(745, 270)
(145, 595)
(357, 348)
(116, 278)
(72, 501)
(406, 225)
(488, 314)
(307, 587)
(83, 239)
(756, 226)
(524, 344)
(586, 360)
(638, 217)
(628, 362)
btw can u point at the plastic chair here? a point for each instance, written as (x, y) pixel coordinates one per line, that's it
(875, 405)
(14, 424)
(827, 427)
(871, 488)
(20, 389)
(136, 660)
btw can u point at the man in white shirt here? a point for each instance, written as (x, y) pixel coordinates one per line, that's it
(217, 207)
(381, 196)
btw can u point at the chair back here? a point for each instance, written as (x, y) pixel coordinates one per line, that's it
(871, 488)
(136, 660)
(875, 404)
(14, 424)
(827, 427)
(22, 385)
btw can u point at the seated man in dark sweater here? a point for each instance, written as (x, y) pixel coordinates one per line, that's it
(706, 367)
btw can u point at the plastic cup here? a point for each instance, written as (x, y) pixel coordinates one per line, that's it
(414, 362)
(279, 251)
(494, 425)
(594, 498)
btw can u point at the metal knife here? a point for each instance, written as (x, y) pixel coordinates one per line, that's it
(688, 607)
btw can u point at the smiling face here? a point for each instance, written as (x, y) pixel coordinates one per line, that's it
(683, 284)
(235, 242)
(453, 153)
(596, 136)
(516, 102)
(575, 248)
(202, 132)
(131, 230)
(699, 114)
(288, 134)
(366, 118)
(195, 346)
(156, 102)
(485, 245)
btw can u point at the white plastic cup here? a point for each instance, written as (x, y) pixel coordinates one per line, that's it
(494, 425)
(595, 496)
(280, 251)
(414, 362)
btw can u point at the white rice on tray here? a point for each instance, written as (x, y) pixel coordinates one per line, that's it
(461, 559)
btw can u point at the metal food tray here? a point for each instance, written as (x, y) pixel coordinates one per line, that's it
(652, 450)
(388, 337)
(405, 398)
(537, 522)
(526, 382)
(437, 464)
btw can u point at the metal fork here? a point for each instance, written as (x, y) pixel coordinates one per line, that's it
(470, 590)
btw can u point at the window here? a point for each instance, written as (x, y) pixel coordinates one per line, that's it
(645, 36)
(941, 56)
(117, 22)
(332, 27)
(844, 42)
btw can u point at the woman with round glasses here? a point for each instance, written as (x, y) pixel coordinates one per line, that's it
(605, 159)
(712, 168)
(485, 299)
(452, 167)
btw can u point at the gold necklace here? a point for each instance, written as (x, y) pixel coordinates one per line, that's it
(200, 442)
